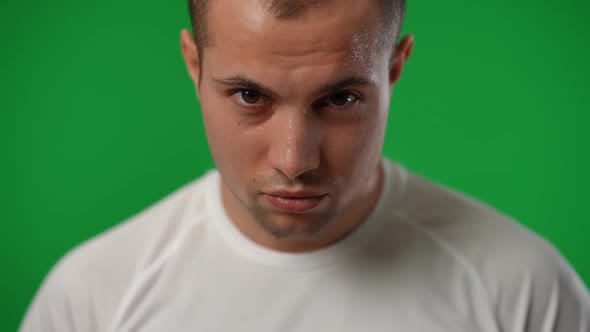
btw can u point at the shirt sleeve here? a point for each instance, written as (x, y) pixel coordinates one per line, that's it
(543, 294)
(63, 303)
(51, 309)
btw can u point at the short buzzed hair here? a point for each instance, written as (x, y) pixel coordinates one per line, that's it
(392, 17)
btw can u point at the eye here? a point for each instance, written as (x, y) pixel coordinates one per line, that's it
(249, 97)
(340, 99)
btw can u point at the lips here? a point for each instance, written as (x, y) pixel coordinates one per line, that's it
(295, 202)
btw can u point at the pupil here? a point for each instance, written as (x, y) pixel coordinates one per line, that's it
(340, 99)
(250, 97)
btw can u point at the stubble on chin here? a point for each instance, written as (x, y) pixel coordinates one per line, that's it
(291, 226)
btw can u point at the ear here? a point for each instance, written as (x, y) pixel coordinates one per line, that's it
(190, 55)
(403, 52)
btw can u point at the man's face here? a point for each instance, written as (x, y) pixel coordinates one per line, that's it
(295, 111)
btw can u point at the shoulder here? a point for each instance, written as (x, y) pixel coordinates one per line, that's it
(471, 227)
(487, 238)
(87, 283)
(137, 240)
(528, 281)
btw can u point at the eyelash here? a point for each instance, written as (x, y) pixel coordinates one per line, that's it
(355, 97)
(235, 94)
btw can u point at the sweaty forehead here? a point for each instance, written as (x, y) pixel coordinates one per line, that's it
(327, 30)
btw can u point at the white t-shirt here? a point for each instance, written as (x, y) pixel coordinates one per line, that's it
(427, 259)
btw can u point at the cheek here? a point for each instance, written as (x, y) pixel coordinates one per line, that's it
(234, 149)
(356, 146)
(353, 154)
(215, 128)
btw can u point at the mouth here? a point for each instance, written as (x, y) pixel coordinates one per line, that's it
(295, 202)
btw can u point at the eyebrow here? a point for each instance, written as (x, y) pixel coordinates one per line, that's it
(246, 83)
(345, 82)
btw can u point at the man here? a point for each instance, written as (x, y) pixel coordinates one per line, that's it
(303, 226)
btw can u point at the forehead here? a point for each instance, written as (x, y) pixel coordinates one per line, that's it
(330, 31)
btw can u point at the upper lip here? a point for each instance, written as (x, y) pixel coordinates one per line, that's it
(295, 193)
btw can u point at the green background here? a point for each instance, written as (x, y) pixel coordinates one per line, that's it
(98, 119)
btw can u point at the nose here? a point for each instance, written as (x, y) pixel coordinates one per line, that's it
(294, 147)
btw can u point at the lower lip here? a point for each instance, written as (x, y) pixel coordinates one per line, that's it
(295, 204)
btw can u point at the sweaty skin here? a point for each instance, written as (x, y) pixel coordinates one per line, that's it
(295, 112)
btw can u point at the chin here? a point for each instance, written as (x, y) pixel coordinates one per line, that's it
(293, 226)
